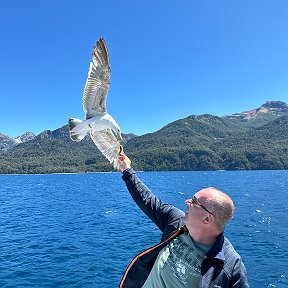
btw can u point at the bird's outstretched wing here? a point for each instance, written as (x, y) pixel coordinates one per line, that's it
(98, 81)
(108, 144)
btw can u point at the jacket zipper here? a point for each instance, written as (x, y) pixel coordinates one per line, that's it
(147, 251)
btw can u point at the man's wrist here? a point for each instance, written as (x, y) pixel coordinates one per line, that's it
(128, 171)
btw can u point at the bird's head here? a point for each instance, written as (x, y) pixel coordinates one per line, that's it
(116, 129)
(111, 123)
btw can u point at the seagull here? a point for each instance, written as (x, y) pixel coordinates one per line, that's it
(101, 126)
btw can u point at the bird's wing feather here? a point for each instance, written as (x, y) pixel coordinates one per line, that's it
(98, 81)
(107, 143)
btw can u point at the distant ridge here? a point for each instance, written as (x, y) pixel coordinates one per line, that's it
(7, 142)
(255, 139)
(273, 107)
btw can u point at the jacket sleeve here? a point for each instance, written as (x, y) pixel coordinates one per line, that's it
(239, 278)
(161, 213)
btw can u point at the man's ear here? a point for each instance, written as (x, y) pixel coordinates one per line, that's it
(208, 219)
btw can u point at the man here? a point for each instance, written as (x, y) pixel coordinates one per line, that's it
(193, 251)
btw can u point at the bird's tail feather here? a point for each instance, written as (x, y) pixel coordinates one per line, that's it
(76, 135)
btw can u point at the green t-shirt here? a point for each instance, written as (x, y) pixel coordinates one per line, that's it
(178, 264)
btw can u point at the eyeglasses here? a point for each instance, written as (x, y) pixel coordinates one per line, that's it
(195, 201)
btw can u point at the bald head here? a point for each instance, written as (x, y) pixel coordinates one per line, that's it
(219, 203)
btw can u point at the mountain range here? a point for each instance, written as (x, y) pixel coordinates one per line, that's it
(7, 142)
(254, 139)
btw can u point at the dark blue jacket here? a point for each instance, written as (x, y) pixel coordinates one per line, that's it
(222, 266)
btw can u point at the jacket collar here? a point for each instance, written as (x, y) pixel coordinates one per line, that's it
(216, 250)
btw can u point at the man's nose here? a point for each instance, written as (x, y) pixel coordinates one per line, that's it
(188, 202)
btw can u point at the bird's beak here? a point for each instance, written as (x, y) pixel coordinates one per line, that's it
(120, 150)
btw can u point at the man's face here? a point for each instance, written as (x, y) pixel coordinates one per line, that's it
(196, 211)
(193, 215)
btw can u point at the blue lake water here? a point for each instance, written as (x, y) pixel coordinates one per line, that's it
(81, 230)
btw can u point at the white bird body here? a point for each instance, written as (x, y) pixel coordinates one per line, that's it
(98, 122)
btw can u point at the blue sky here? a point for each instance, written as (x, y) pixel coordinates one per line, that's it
(169, 59)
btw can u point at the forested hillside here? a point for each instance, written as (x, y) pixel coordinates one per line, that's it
(202, 142)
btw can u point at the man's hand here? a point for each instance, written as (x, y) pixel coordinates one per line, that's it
(123, 162)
